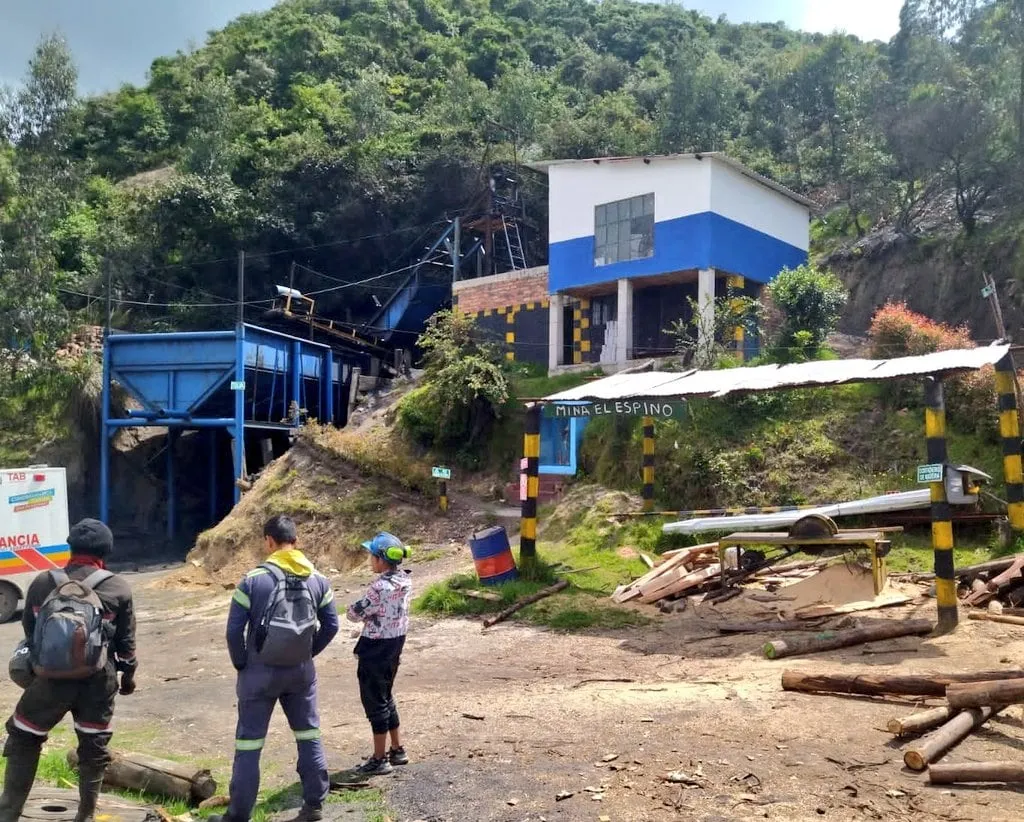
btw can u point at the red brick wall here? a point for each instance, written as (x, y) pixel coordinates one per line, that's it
(502, 290)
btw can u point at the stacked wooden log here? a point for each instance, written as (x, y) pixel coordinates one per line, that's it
(970, 701)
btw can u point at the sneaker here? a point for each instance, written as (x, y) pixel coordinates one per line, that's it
(308, 813)
(374, 767)
(398, 756)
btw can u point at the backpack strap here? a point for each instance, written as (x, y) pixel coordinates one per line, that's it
(59, 577)
(96, 577)
(274, 570)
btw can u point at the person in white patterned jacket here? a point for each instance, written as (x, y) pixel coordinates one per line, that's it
(384, 612)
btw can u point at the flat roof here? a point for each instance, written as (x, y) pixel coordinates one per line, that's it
(719, 383)
(543, 166)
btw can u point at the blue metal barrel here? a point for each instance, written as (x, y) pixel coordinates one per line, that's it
(492, 556)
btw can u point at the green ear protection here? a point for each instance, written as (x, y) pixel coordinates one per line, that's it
(397, 553)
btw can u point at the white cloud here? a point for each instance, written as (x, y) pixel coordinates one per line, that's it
(867, 19)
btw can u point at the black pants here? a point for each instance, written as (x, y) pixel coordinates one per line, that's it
(46, 702)
(378, 665)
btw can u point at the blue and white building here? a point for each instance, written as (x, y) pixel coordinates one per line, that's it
(632, 238)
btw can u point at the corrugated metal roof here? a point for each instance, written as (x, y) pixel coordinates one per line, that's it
(543, 166)
(719, 383)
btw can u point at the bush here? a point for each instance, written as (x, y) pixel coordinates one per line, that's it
(896, 331)
(464, 389)
(807, 302)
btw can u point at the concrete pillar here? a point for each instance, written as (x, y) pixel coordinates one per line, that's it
(555, 329)
(706, 321)
(624, 322)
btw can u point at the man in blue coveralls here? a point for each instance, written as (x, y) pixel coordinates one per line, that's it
(282, 615)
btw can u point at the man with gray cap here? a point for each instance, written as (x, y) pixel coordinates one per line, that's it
(87, 693)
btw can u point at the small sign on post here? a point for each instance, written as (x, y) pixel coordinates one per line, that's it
(237, 385)
(929, 473)
(988, 291)
(443, 475)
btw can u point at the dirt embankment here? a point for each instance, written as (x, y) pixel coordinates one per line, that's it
(336, 505)
(940, 277)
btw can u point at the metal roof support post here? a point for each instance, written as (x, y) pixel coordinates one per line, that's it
(1009, 433)
(942, 525)
(706, 319)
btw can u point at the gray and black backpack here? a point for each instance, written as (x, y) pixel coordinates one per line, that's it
(284, 635)
(69, 640)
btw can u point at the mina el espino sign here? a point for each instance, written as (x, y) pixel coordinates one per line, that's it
(663, 409)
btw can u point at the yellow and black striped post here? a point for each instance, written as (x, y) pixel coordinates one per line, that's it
(735, 285)
(1009, 432)
(443, 497)
(648, 463)
(942, 525)
(531, 451)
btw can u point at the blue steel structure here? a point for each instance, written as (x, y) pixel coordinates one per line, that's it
(250, 380)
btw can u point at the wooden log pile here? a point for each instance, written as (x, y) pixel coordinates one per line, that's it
(998, 583)
(971, 699)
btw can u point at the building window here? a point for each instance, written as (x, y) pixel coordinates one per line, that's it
(624, 230)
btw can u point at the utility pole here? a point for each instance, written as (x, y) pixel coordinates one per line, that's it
(490, 227)
(291, 287)
(990, 293)
(110, 300)
(241, 288)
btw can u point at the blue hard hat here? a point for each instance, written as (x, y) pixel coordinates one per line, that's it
(388, 547)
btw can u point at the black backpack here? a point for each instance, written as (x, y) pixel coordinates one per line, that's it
(285, 632)
(69, 640)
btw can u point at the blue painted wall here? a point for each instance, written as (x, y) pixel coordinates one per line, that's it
(704, 240)
(558, 452)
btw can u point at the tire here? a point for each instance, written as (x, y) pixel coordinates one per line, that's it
(9, 598)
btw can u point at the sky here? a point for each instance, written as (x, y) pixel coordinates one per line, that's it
(114, 41)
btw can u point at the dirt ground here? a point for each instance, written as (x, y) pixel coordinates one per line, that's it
(500, 724)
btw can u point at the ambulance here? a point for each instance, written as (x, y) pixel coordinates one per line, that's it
(33, 530)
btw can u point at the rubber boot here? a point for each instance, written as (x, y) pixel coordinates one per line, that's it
(21, 773)
(90, 781)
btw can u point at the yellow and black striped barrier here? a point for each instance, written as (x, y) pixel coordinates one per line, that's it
(443, 497)
(648, 464)
(531, 451)
(1009, 433)
(942, 524)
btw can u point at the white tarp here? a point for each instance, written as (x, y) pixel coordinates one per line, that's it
(683, 384)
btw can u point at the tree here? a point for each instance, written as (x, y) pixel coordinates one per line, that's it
(38, 122)
(700, 109)
(810, 301)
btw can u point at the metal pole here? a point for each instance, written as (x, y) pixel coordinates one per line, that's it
(942, 525)
(241, 288)
(456, 249)
(531, 451)
(105, 434)
(110, 299)
(1009, 432)
(211, 436)
(328, 387)
(291, 287)
(172, 437)
(296, 379)
(648, 464)
(443, 499)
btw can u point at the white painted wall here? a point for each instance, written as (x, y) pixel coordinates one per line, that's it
(681, 187)
(746, 201)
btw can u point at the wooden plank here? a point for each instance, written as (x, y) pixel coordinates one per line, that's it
(683, 584)
(882, 601)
